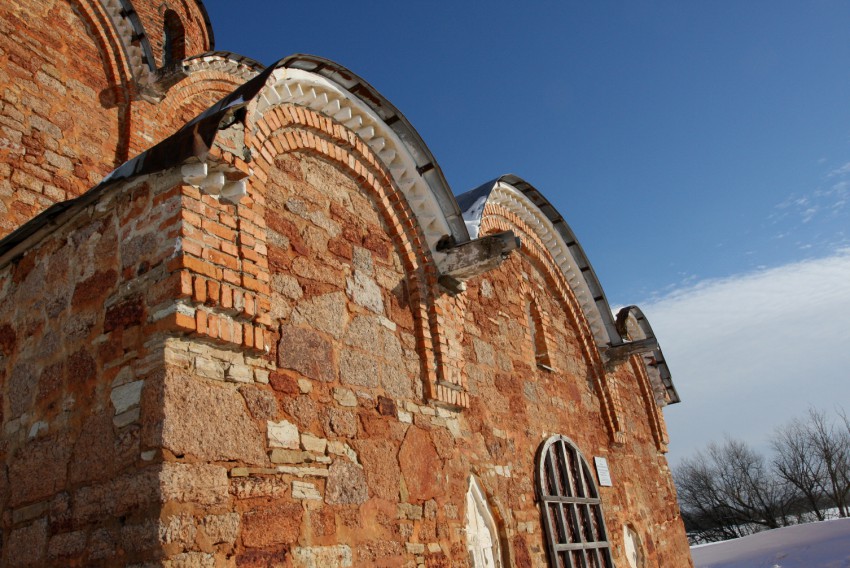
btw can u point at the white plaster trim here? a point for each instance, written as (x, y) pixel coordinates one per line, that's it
(482, 534)
(214, 182)
(124, 30)
(322, 95)
(509, 197)
(241, 68)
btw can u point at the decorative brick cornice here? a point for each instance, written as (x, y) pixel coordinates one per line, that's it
(132, 35)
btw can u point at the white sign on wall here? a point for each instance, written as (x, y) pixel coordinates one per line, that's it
(602, 472)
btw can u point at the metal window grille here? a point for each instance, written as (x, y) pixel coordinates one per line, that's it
(571, 508)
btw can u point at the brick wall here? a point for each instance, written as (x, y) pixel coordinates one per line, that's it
(62, 107)
(151, 14)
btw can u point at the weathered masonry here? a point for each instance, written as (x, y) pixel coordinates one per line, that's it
(244, 321)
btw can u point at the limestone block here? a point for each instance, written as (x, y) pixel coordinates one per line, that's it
(126, 418)
(338, 556)
(239, 373)
(300, 471)
(313, 443)
(345, 397)
(178, 529)
(305, 490)
(210, 368)
(283, 434)
(290, 456)
(342, 449)
(126, 396)
(250, 487)
(415, 548)
(364, 291)
(190, 560)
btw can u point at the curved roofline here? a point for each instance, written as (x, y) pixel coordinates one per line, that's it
(657, 356)
(472, 204)
(207, 23)
(426, 164)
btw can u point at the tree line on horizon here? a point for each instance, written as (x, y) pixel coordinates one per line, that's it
(730, 490)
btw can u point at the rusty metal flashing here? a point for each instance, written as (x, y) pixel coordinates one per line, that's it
(653, 359)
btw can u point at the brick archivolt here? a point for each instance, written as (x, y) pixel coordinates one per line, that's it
(504, 214)
(127, 30)
(323, 96)
(287, 127)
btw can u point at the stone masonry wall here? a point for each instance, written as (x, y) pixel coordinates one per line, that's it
(327, 452)
(84, 313)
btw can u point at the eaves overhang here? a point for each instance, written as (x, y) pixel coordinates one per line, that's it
(653, 359)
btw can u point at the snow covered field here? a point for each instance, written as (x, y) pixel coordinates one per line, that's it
(812, 545)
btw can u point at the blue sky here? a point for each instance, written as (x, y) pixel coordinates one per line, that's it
(695, 148)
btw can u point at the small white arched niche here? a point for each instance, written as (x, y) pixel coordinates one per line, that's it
(634, 551)
(482, 535)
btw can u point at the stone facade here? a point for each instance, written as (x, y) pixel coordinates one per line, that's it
(271, 339)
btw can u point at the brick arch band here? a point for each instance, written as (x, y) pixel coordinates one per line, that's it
(286, 128)
(117, 65)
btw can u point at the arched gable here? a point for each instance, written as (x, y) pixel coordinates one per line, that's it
(337, 93)
(502, 206)
(528, 204)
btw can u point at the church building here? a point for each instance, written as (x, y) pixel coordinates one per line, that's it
(245, 322)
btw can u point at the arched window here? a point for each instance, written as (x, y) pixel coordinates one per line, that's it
(482, 535)
(571, 508)
(174, 42)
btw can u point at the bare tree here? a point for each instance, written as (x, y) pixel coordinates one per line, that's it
(729, 491)
(798, 465)
(831, 445)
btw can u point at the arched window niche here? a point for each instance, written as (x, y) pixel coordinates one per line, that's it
(538, 335)
(174, 40)
(571, 509)
(482, 533)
